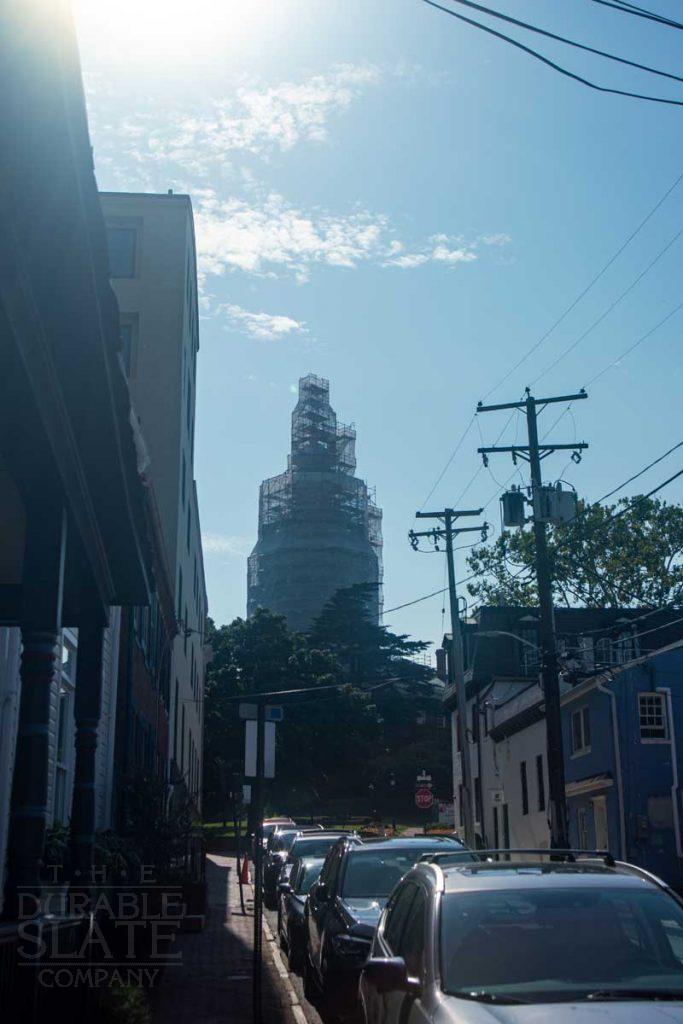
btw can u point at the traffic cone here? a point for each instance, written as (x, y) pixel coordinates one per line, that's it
(244, 876)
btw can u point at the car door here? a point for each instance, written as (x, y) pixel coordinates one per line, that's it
(386, 944)
(410, 942)
(318, 909)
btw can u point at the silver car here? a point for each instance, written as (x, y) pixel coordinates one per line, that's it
(525, 942)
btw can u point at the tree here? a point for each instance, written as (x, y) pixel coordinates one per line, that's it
(609, 556)
(366, 651)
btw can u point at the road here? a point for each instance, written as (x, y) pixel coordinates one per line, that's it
(312, 1016)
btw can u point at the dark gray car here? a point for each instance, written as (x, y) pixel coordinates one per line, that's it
(291, 902)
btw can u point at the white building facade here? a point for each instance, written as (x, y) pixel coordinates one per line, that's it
(154, 276)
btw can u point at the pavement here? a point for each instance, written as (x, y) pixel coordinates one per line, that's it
(212, 982)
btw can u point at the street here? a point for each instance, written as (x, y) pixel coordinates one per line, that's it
(288, 977)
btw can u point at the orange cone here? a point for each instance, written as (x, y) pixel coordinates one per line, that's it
(244, 876)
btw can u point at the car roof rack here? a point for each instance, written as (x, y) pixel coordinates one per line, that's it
(464, 856)
(565, 855)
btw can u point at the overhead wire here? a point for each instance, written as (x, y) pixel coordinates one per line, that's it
(639, 12)
(635, 345)
(603, 270)
(563, 39)
(570, 348)
(552, 64)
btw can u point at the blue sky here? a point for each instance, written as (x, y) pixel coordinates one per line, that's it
(388, 198)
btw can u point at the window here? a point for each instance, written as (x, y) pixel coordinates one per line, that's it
(182, 480)
(582, 827)
(175, 723)
(397, 916)
(180, 592)
(461, 805)
(477, 799)
(652, 714)
(581, 731)
(540, 782)
(525, 787)
(61, 813)
(189, 527)
(122, 244)
(412, 943)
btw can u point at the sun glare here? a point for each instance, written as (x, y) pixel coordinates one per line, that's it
(174, 29)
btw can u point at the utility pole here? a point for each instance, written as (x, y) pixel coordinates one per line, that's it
(257, 953)
(533, 453)
(456, 661)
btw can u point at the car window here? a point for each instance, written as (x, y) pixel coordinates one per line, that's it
(313, 847)
(307, 875)
(561, 944)
(334, 868)
(411, 945)
(397, 915)
(331, 866)
(375, 872)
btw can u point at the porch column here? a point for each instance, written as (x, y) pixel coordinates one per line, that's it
(41, 618)
(87, 710)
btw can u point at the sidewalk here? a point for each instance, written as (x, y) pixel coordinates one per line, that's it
(213, 983)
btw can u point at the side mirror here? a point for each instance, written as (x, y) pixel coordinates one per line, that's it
(389, 974)
(322, 892)
(284, 887)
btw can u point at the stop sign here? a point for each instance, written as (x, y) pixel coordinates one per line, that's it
(424, 798)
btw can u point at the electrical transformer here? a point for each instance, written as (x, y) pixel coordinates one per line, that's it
(554, 506)
(513, 507)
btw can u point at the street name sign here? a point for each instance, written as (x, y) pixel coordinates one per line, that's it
(273, 712)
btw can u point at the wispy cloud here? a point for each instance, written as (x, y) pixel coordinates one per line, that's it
(225, 544)
(272, 235)
(263, 326)
(257, 119)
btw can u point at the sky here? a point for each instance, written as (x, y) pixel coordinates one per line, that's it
(392, 199)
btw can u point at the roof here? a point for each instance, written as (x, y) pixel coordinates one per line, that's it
(410, 842)
(532, 875)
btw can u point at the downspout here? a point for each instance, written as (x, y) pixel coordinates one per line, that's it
(617, 759)
(674, 770)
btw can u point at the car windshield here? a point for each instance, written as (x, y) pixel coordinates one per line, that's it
(562, 944)
(314, 847)
(308, 874)
(376, 872)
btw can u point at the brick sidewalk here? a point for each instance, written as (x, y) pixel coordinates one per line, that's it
(213, 985)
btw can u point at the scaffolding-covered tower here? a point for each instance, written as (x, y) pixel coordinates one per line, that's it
(319, 528)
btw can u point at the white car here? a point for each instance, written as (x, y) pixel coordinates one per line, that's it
(502, 942)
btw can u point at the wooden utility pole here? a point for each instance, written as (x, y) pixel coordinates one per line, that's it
(533, 453)
(456, 661)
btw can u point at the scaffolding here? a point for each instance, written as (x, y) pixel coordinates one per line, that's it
(319, 525)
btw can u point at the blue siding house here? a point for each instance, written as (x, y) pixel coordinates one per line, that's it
(623, 737)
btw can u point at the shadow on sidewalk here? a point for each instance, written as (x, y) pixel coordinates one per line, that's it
(211, 984)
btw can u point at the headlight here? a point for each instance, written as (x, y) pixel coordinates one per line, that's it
(352, 946)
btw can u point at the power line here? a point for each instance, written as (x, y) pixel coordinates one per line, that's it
(563, 39)
(426, 597)
(642, 497)
(588, 287)
(450, 459)
(639, 12)
(639, 473)
(552, 64)
(589, 330)
(635, 345)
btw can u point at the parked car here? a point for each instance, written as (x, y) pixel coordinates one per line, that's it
(313, 845)
(271, 825)
(525, 942)
(277, 851)
(292, 897)
(343, 908)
